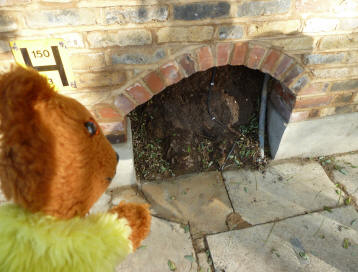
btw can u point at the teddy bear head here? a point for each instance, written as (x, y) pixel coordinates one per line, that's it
(54, 157)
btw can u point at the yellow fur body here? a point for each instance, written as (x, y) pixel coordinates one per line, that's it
(36, 242)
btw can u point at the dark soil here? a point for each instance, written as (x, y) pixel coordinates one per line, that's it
(190, 127)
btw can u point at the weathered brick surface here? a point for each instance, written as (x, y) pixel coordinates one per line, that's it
(323, 58)
(347, 41)
(230, 32)
(105, 111)
(4, 3)
(114, 127)
(187, 62)
(182, 34)
(88, 61)
(336, 73)
(275, 28)
(255, 56)
(343, 98)
(73, 40)
(111, 42)
(320, 25)
(99, 39)
(205, 58)
(138, 57)
(300, 84)
(4, 47)
(239, 53)
(310, 102)
(345, 85)
(199, 11)
(263, 8)
(7, 23)
(270, 62)
(98, 79)
(324, 6)
(283, 66)
(154, 82)
(138, 14)
(124, 104)
(65, 17)
(293, 44)
(314, 88)
(139, 93)
(170, 73)
(292, 74)
(223, 52)
(344, 109)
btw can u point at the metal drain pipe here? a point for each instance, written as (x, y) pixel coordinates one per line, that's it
(262, 117)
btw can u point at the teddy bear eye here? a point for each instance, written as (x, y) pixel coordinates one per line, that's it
(91, 127)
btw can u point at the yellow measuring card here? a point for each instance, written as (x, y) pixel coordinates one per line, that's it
(49, 57)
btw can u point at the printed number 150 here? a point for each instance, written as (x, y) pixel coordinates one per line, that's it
(41, 54)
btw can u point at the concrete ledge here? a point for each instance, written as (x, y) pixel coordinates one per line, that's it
(325, 136)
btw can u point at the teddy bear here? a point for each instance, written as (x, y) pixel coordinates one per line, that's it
(55, 162)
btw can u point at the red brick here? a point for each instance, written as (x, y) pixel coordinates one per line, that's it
(299, 116)
(205, 58)
(116, 132)
(314, 88)
(154, 82)
(270, 61)
(188, 63)
(113, 127)
(223, 51)
(282, 67)
(310, 102)
(239, 54)
(124, 104)
(170, 73)
(108, 112)
(293, 74)
(255, 56)
(139, 93)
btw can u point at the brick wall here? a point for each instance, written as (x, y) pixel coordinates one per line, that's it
(124, 52)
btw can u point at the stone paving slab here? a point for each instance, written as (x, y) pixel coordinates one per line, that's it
(349, 177)
(276, 247)
(200, 199)
(284, 190)
(166, 241)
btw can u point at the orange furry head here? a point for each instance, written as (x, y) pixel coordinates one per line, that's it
(54, 157)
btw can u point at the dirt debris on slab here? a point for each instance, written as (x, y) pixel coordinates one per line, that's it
(188, 128)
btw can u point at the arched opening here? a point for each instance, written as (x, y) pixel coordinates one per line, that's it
(208, 121)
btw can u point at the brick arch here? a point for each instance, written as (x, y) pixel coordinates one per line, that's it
(285, 68)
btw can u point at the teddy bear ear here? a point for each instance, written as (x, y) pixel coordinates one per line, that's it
(20, 89)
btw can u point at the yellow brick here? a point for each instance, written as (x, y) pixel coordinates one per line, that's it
(99, 79)
(274, 28)
(293, 44)
(88, 61)
(182, 34)
(337, 73)
(339, 42)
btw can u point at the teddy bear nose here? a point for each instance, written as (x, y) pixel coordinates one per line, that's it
(117, 156)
